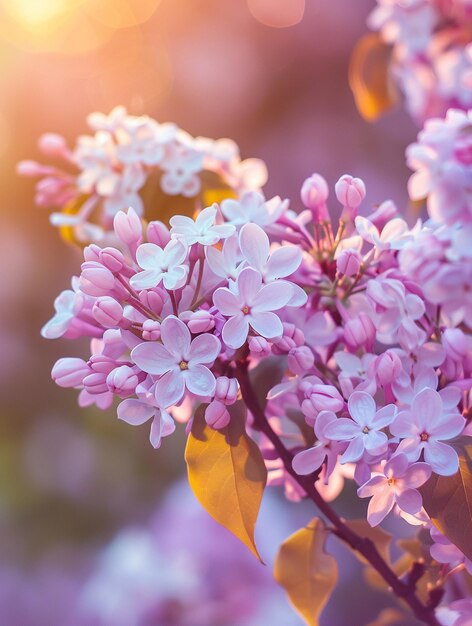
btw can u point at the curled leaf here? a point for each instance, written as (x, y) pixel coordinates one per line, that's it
(227, 474)
(448, 501)
(369, 77)
(306, 572)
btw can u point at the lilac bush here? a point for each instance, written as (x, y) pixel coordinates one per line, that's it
(346, 346)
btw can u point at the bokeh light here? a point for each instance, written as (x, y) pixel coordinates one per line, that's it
(277, 13)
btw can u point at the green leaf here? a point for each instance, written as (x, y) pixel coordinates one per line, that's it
(306, 572)
(369, 77)
(227, 473)
(448, 501)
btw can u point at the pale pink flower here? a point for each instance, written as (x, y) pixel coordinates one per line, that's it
(309, 460)
(181, 166)
(393, 236)
(424, 427)
(179, 361)
(202, 230)
(67, 305)
(142, 140)
(225, 263)
(396, 486)
(125, 192)
(253, 207)
(283, 261)
(95, 156)
(364, 430)
(137, 412)
(251, 306)
(161, 265)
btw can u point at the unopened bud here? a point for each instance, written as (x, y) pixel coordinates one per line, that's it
(349, 262)
(359, 331)
(226, 390)
(53, 145)
(151, 330)
(95, 279)
(314, 193)
(70, 372)
(122, 381)
(107, 311)
(201, 322)
(128, 227)
(300, 359)
(112, 259)
(259, 347)
(158, 233)
(350, 192)
(387, 368)
(217, 415)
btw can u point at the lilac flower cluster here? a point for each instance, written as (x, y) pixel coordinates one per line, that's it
(368, 320)
(112, 167)
(432, 52)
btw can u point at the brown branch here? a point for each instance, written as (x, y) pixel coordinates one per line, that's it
(363, 545)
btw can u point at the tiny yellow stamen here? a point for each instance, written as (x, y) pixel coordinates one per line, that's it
(424, 436)
(245, 309)
(365, 430)
(183, 365)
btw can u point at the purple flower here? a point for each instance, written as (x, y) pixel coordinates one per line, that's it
(179, 361)
(397, 485)
(251, 307)
(364, 430)
(203, 230)
(161, 265)
(424, 427)
(307, 461)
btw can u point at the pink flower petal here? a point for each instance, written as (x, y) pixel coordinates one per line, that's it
(204, 349)
(342, 429)
(397, 466)
(235, 331)
(426, 407)
(362, 408)
(153, 358)
(442, 458)
(416, 475)
(380, 506)
(227, 302)
(135, 412)
(254, 245)
(373, 485)
(267, 324)
(354, 451)
(176, 337)
(149, 256)
(308, 461)
(249, 285)
(146, 279)
(448, 427)
(409, 501)
(170, 388)
(199, 380)
(283, 261)
(272, 297)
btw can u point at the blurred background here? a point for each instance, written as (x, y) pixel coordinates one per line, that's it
(270, 74)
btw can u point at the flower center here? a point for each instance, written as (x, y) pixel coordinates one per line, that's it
(183, 365)
(245, 309)
(424, 436)
(366, 430)
(390, 482)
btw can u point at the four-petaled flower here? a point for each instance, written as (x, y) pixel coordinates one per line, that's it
(423, 428)
(179, 361)
(161, 265)
(397, 485)
(251, 306)
(364, 431)
(307, 461)
(202, 230)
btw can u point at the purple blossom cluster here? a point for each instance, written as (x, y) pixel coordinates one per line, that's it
(110, 170)
(363, 328)
(431, 52)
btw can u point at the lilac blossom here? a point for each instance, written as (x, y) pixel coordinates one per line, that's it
(396, 486)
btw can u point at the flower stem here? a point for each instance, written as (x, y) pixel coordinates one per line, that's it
(363, 545)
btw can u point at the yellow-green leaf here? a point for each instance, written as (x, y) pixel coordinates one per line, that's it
(227, 474)
(306, 572)
(369, 77)
(448, 501)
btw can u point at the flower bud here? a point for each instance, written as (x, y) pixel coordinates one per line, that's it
(33, 169)
(128, 227)
(53, 145)
(153, 299)
(359, 331)
(314, 193)
(226, 390)
(387, 368)
(349, 262)
(259, 347)
(151, 330)
(201, 322)
(291, 338)
(112, 259)
(92, 253)
(455, 344)
(107, 311)
(385, 212)
(95, 279)
(217, 415)
(122, 381)
(158, 233)
(70, 372)
(326, 398)
(300, 359)
(350, 192)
